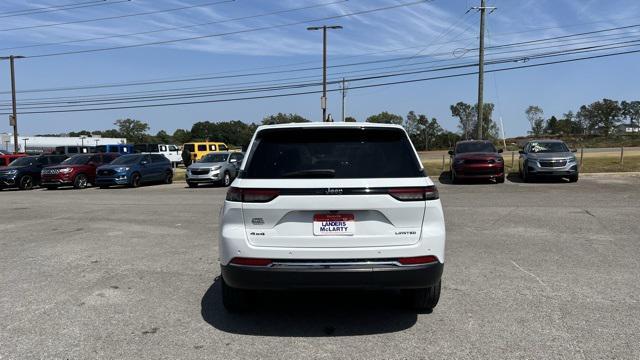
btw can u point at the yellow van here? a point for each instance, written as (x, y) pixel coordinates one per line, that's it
(200, 149)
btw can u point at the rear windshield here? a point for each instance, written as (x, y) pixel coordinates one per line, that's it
(332, 153)
(475, 147)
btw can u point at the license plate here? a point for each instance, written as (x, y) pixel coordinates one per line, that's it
(333, 224)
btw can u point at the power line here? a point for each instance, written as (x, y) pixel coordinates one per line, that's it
(117, 16)
(330, 90)
(54, 8)
(177, 27)
(302, 85)
(163, 42)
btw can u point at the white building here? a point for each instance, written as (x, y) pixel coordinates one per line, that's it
(49, 143)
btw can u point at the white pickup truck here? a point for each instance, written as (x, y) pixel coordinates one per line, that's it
(170, 151)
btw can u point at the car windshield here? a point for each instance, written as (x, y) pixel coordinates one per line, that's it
(126, 160)
(480, 147)
(547, 147)
(77, 160)
(24, 161)
(214, 158)
(332, 153)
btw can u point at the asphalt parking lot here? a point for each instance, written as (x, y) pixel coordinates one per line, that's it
(543, 270)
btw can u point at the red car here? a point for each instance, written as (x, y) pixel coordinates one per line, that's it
(6, 159)
(476, 159)
(78, 171)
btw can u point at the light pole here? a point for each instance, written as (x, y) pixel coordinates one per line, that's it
(323, 100)
(14, 119)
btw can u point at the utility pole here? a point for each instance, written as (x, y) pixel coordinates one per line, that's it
(323, 100)
(344, 95)
(483, 11)
(14, 115)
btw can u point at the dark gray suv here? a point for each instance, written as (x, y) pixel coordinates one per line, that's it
(547, 158)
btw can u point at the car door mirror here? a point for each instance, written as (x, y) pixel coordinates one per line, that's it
(451, 152)
(500, 150)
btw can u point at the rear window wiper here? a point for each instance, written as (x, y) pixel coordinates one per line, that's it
(316, 173)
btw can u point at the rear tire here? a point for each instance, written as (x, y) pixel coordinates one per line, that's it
(26, 183)
(233, 299)
(226, 179)
(135, 180)
(168, 177)
(80, 182)
(423, 299)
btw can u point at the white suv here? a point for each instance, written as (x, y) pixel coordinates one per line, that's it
(331, 205)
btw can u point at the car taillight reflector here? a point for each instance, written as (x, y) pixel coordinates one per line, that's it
(415, 194)
(251, 195)
(418, 260)
(251, 261)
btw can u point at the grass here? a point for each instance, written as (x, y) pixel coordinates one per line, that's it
(593, 163)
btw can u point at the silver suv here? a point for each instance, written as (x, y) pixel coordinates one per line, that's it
(547, 158)
(215, 168)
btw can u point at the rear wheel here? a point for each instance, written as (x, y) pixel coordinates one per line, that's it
(135, 180)
(233, 299)
(168, 177)
(26, 183)
(80, 181)
(423, 299)
(226, 179)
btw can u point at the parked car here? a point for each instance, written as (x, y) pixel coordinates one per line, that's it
(24, 172)
(170, 151)
(134, 170)
(476, 159)
(547, 158)
(78, 171)
(313, 208)
(122, 149)
(6, 159)
(215, 168)
(200, 149)
(73, 150)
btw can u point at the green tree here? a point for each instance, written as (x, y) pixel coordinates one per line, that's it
(386, 118)
(552, 126)
(466, 117)
(631, 111)
(162, 137)
(535, 116)
(181, 136)
(350, 119)
(134, 130)
(422, 132)
(601, 116)
(281, 118)
(230, 132)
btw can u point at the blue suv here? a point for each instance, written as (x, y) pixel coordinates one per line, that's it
(134, 170)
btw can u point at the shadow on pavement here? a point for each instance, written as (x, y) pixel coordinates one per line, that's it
(311, 313)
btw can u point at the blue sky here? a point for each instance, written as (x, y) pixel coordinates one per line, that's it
(434, 33)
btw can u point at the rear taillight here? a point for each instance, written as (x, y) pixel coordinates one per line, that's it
(418, 260)
(251, 261)
(251, 195)
(415, 194)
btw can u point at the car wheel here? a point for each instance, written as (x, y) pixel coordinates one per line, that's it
(525, 173)
(51, 187)
(135, 180)
(168, 178)
(233, 299)
(192, 184)
(226, 180)
(423, 299)
(454, 178)
(26, 183)
(574, 178)
(500, 179)
(80, 181)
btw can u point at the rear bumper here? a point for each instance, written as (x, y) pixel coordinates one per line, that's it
(361, 277)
